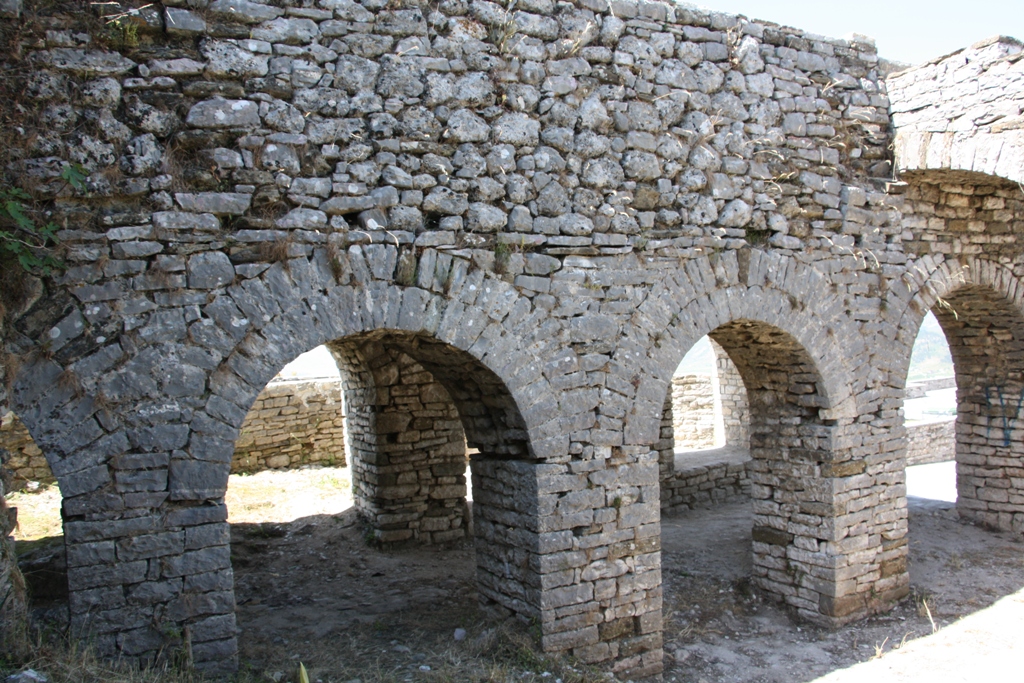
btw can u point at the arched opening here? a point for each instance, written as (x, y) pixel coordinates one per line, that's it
(795, 456)
(929, 410)
(791, 448)
(985, 332)
(34, 522)
(397, 570)
(705, 430)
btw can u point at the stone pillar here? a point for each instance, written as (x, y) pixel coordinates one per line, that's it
(984, 334)
(407, 446)
(13, 596)
(732, 403)
(828, 495)
(153, 582)
(829, 528)
(577, 547)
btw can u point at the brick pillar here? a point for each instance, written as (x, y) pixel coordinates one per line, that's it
(407, 447)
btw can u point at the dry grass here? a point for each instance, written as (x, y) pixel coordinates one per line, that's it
(38, 513)
(287, 495)
(70, 663)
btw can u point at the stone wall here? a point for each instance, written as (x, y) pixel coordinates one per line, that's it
(14, 604)
(408, 446)
(960, 113)
(707, 481)
(710, 410)
(26, 461)
(544, 208)
(931, 442)
(694, 414)
(291, 424)
(732, 399)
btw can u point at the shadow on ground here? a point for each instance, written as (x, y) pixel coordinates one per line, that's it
(316, 590)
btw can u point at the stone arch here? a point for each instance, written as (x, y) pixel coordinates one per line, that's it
(739, 285)
(980, 306)
(139, 428)
(470, 337)
(961, 154)
(776, 320)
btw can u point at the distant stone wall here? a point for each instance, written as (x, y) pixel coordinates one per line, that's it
(693, 411)
(931, 442)
(705, 485)
(293, 424)
(922, 387)
(26, 462)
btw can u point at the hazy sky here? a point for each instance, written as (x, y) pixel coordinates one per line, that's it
(910, 31)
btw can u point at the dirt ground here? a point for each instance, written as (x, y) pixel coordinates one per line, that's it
(310, 589)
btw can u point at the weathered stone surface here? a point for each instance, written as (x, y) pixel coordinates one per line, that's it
(465, 126)
(85, 62)
(485, 218)
(244, 11)
(444, 200)
(291, 31)
(516, 129)
(223, 114)
(231, 203)
(182, 21)
(209, 271)
(509, 245)
(227, 59)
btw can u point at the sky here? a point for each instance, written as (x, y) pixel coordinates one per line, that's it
(911, 31)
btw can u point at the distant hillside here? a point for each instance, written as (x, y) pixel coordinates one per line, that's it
(930, 358)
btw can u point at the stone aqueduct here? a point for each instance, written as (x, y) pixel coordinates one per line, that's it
(509, 226)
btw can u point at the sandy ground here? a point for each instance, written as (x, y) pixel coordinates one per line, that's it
(309, 588)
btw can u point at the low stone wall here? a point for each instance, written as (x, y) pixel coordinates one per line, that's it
(921, 388)
(930, 442)
(26, 462)
(704, 482)
(293, 424)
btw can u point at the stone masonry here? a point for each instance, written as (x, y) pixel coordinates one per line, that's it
(960, 127)
(513, 222)
(25, 461)
(292, 424)
(710, 410)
